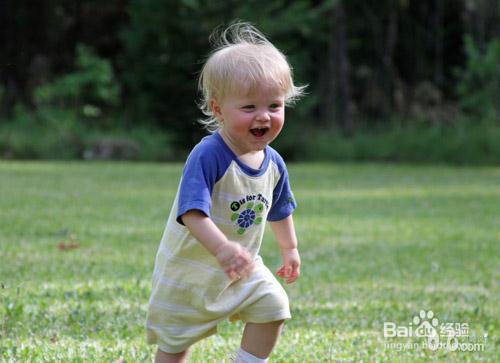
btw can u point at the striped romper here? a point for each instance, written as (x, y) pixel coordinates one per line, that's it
(191, 293)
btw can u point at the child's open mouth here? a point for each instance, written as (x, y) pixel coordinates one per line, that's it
(259, 131)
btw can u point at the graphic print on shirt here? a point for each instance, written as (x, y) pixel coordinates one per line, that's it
(248, 211)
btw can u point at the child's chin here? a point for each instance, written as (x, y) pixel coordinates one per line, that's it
(261, 147)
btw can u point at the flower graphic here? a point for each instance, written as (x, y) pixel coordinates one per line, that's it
(249, 216)
(246, 218)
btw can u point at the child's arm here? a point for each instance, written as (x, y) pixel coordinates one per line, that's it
(233, 257)
(287, 240)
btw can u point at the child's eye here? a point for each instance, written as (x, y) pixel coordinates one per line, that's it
(248, 107)
(275, 105)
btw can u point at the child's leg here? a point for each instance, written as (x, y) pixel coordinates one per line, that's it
(162, 357)
(260, 339)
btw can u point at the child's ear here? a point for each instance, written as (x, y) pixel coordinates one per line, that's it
(215, 107)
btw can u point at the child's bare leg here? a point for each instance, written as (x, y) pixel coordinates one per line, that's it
(162, 357)
(260, 339)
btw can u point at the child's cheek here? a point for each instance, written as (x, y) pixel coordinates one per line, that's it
(244, 122)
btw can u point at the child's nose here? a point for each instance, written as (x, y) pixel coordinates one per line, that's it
(263, 116)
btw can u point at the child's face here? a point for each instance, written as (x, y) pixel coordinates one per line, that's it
(251, 122)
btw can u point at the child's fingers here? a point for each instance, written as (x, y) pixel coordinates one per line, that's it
(294, 274)
(291, 279)
(281, 271)
(239, 268)
(231, 274)
(285, 272)
(245, 271)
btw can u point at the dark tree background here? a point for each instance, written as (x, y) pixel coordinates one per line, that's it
(367, 63)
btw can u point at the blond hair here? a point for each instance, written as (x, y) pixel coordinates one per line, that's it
(242, 61)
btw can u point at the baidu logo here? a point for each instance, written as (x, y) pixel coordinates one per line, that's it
(424, 325)
(435, 334)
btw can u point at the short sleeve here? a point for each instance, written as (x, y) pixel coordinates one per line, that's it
(198, 179)
(283, 200)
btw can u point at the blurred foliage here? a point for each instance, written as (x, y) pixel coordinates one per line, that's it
(76, 117)
(466, 142)
(89, 94)
(52, 133)
(479, 85)
(57, 133)
(92, 83)
(122, 70)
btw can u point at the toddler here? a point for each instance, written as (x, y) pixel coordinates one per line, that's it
(208, 266)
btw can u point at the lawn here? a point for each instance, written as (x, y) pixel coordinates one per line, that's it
(379, 244)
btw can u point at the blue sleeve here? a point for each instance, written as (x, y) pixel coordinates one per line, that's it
(198, 178)
(283, 200)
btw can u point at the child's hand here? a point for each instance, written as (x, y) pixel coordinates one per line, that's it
(235, 259)
(291, 265)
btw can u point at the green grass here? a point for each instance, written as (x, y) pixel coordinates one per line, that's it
(379, 243)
